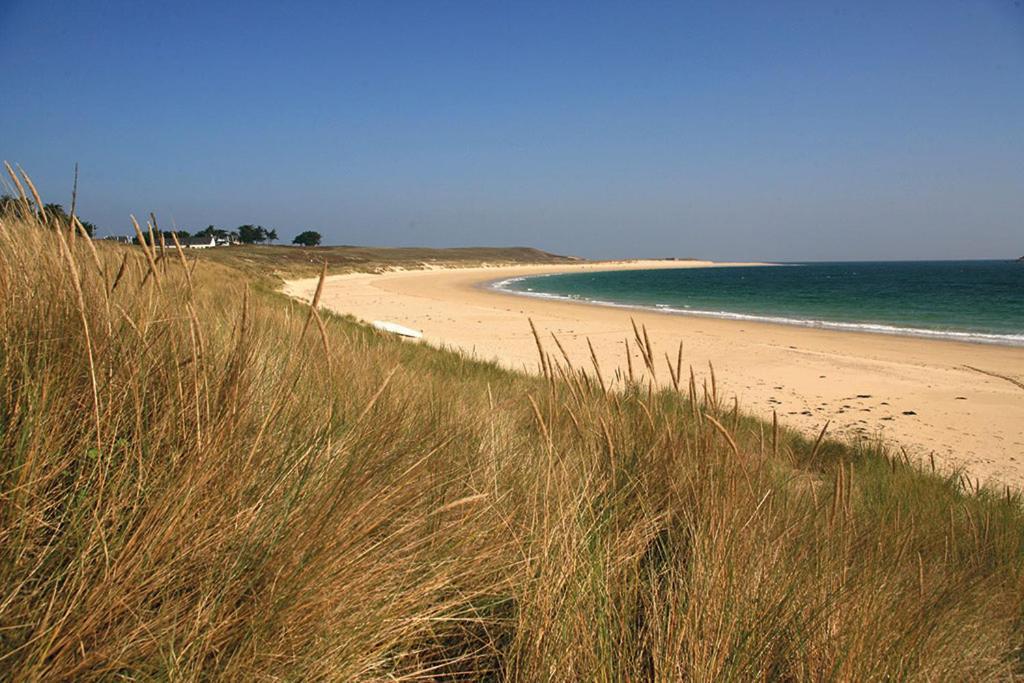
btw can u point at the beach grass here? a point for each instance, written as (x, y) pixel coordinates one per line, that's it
(201, 479)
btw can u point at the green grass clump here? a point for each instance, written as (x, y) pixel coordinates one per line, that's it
(200, 479)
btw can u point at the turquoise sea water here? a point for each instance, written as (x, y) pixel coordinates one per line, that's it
(980, 301)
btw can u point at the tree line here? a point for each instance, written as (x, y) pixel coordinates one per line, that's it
(245, 234)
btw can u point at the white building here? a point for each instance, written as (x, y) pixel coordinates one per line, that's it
(207, 242)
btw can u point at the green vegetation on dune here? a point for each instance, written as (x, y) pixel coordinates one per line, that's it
(280, 261)
(203, 479)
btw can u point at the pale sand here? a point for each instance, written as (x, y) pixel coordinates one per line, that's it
(864, 383)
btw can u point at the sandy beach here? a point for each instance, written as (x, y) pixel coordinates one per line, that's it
(914, 392)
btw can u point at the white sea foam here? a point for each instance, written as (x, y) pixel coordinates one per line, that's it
(877, 328)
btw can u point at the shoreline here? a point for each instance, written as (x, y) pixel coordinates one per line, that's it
(963, 336)
(966, 337)
(913, 391)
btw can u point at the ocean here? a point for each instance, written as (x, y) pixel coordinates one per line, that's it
(977, 301)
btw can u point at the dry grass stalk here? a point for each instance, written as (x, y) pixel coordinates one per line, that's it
(775, 434)
(724, 432)
(649, 356)
(565, 356)
(153, 242)
(597, 367)
(544, 366)
(184, 265)
(376, 395)
(315, 300)
(150, 259)
(87, 335)
(540, 421)
(76, 226)
(818, 441)
(35, 196)
(74, 205)
(643, 342)
(153, 227)
(21, 190)
(672, 373)
(120, 272)
(629, 363)
(679, 365)
(714, 385)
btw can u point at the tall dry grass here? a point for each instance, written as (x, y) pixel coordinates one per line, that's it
(200, 479)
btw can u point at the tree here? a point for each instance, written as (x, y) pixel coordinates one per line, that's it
(57, 212)
(212, 231)
(249, 234)
(252, 234)
(307, 238)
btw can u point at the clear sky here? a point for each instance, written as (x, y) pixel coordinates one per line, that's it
(742, 130)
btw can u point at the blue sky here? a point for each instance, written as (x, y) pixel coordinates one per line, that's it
(760, 130)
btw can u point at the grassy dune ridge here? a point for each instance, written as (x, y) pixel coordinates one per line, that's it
(200, 479)
(268, 261)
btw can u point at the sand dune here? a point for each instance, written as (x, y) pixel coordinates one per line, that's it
(961, 401)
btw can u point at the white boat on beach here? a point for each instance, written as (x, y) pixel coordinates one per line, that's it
(395, 328)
